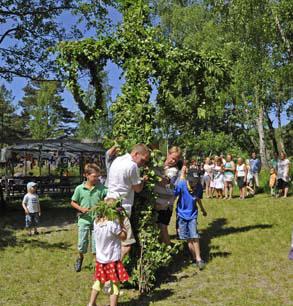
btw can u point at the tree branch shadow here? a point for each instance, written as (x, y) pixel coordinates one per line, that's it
(182, 259)
(8, 239)
(216, 229)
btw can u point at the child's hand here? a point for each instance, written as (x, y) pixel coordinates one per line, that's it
(39, 214)
(84, 210)
(26, 211)
(204, 213)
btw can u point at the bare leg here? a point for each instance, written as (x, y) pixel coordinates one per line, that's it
(125, 249)
(80, 255)
(164, 235)
(207, 189)
(93, 298)
(286, 192)
(113, 300)
(226, 190)
(194, 249)
(230, 191)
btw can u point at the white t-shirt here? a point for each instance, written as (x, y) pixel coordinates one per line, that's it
(31, 201)
(123, 174)
(108, 244)
(208, 169)
(283, 169)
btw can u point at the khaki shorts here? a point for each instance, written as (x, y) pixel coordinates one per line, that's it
(130, 237)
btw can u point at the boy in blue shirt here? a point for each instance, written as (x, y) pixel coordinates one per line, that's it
(189, 192)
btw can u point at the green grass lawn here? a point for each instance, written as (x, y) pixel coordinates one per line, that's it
(246, 244)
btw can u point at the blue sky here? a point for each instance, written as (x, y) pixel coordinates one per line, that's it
(113, 71)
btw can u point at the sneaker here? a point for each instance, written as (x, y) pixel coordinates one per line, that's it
(78, 264)
(201, 264)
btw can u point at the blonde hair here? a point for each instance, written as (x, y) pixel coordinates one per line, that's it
(174, 149)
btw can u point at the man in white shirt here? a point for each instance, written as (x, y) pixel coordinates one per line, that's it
(123, 180)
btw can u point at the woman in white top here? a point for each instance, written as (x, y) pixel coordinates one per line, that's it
(241, 177)
(283, 168)
(219, 177)
(207, 177)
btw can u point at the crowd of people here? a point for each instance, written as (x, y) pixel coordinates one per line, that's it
(220, 174)
(180, 183)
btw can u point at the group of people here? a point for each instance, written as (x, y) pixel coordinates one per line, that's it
(178, 184)
(112, 240)
(220, 175)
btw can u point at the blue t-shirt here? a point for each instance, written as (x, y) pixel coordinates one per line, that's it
(186, 205)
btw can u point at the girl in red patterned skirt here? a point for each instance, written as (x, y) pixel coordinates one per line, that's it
(108, 233)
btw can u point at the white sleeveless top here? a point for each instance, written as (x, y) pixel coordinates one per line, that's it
(240, 170)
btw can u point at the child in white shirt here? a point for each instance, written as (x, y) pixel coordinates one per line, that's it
(108, 233)
(31, 206)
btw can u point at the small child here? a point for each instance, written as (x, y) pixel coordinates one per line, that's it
(250, 180)
(86, 196)
(108, 233)
(31, 208)
(241, 177)
(273, 181)
(189, 196)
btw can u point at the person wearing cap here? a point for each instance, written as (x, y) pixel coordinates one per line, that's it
(189, 195)
(32, 209)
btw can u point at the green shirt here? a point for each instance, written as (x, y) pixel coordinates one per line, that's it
(88, 198)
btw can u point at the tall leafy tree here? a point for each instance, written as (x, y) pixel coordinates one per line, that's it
(30, 28)
(44, 114)
(10, 121)
(255, 38)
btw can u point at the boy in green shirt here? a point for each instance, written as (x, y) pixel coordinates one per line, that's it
(86, 196)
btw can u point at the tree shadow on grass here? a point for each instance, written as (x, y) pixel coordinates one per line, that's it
(182, 259)
(145, 300)
(8, 239)
(216, 229)
(55, 212)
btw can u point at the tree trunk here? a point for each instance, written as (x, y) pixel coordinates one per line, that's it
(280, 134)
(283, 36)
(261, 133)
(272, 133)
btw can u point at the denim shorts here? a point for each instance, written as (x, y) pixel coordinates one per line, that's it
(85, 232)
(187, 229)
(32, 220)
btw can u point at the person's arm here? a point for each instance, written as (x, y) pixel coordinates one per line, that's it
(204, 213)
(39, 207)
(78, 207)
(177, 189)
(119, 229)
(139, 187)
(233, 166)
(24, 203)
(123, 234)
(259, 166)
(137, 182)
(245, 173)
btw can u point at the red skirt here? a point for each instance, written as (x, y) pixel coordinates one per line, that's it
(113, 271)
